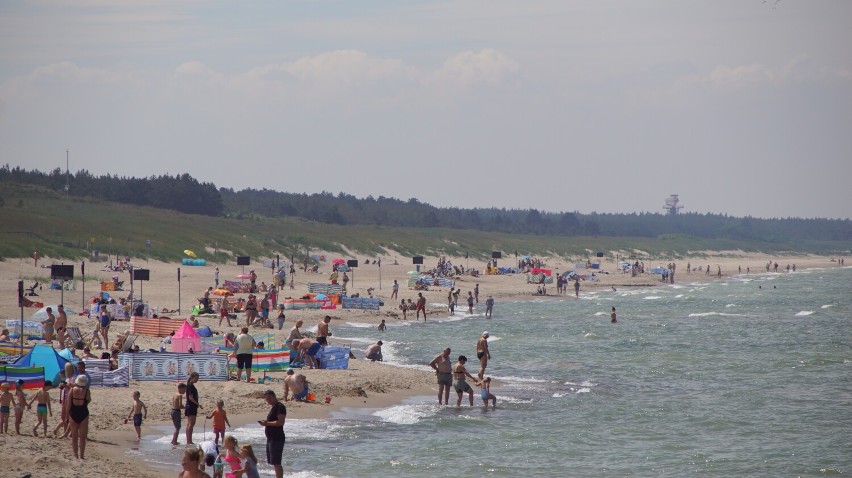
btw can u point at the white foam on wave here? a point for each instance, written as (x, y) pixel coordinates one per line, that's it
(506, 399)
(512, 378)
(590, 335)
(653, 297)
(406, 414)
(597, 314)
(583, 390)
(439, 305)
(300, 429)
(826, 306)
(360, 325)
(730, 305)
(804, 313)
(678, 296)
(558, 395)
(708, 314)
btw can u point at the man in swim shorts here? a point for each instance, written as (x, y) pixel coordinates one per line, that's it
(244, 351)
(443, 370)
(421, 305)
(322, 331)
(296, 383)
(459, 383)
(482, 353)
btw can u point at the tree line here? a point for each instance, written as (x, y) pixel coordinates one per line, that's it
(181, 193)
(186, 194)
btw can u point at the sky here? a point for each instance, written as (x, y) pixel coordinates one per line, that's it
(742, 107)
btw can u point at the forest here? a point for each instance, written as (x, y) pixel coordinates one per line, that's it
(185, 194)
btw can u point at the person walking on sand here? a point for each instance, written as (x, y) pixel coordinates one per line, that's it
(612, 316)
(489, 307)
(216, 277)
(459, 382)
(42, 397)
(443, 371)
(224, 312)
(394, 290)
(274, 430)
(421, 306)
(35, 258)
(482, 353)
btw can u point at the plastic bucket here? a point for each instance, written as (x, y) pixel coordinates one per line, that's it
(311, 396)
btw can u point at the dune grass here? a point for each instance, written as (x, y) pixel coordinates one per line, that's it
(70, 227)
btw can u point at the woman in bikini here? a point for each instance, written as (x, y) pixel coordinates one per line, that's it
(77, 404)
(20, 404)
(251, 310)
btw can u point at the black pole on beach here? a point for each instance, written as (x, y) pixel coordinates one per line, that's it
(83, 274)
(178, 270)
(21, 305)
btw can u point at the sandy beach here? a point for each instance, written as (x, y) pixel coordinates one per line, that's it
(365, 384)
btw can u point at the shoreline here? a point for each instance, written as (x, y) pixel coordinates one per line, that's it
(384, 384)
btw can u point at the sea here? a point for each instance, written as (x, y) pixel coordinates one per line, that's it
(749, 375)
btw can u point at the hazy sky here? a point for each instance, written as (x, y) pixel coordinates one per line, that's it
(742, 107)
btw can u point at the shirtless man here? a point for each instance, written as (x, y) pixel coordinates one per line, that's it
(61, 324)
(482, 353)
(443, 370)
(308, 350)
(322, 331)
(296, 383)
(421, 305)
(459, 383)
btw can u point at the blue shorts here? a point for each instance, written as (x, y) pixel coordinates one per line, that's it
(299, 396)
(314, 349)
(137, 420)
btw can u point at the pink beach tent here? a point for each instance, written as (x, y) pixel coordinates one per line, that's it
(186, 338)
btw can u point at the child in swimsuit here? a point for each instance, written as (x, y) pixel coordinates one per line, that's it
(20, 403)
(136, 410)
(485, 392)
(249, 469)
(220, 419)
(230, 455)
(42, 407)
(177, 406)
(5, 401)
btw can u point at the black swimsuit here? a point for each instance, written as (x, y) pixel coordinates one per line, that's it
(78, 413)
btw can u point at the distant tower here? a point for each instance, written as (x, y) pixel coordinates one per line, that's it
(671, 205)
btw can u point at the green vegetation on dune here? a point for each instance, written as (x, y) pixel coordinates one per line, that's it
(33, 217)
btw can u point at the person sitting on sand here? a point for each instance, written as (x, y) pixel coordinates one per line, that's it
(297, 384)
(4, 336)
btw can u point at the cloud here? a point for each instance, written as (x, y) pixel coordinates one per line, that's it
(469, 68)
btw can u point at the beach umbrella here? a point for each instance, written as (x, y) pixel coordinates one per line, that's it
(41, 314)
(244, 276)
(338, 261)
(222, 292)
(189, 253)
(321, 297)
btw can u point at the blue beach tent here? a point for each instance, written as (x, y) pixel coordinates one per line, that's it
(43, 355)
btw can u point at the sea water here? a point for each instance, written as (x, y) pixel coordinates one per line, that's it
(743, 376)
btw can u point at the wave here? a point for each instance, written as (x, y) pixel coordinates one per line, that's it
(826, 306)
(407, 414)
(708, 314)
(653, 297)
(804, 313)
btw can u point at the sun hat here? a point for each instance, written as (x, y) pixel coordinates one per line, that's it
(81, 381)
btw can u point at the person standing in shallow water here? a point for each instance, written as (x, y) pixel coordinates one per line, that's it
(612, 316)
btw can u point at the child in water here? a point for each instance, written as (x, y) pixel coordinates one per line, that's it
(220, 419)
(249, 469)
(136, 414)
(485, 392)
